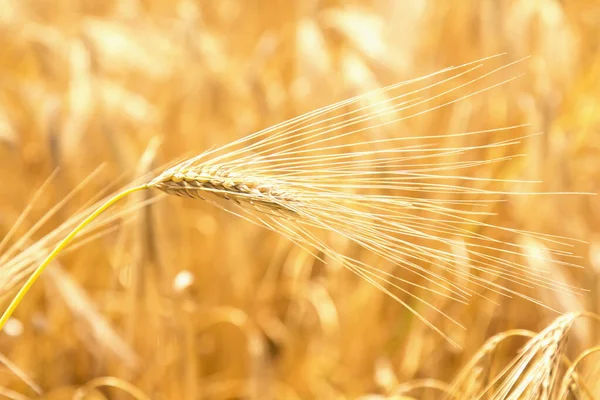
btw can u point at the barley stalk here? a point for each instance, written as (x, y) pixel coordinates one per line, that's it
(323, 173)
(61, 245)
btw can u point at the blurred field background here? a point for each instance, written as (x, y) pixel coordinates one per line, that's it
(183, 301)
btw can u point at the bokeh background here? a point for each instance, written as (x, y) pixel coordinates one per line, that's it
(181, 300)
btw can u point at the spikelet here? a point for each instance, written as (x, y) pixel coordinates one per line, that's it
(261, 192)
(405, 198)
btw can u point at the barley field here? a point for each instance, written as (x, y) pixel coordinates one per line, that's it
(315, 199)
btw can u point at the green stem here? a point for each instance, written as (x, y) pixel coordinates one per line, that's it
(36, 274)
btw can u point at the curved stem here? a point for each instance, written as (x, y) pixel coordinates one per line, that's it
(36, 274)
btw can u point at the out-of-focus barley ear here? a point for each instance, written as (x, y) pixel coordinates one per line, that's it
(534, 373)
(475, 375)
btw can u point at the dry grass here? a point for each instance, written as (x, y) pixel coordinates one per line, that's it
(177, 299)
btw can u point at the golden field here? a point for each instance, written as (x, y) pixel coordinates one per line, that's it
(172, 298)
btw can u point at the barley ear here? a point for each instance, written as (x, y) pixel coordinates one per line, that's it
(36, 274)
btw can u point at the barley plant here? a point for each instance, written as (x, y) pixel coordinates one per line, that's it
(413, 215)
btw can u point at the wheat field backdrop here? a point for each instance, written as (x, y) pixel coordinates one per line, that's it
(173, 298)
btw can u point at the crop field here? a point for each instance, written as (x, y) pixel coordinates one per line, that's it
(300, 199)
